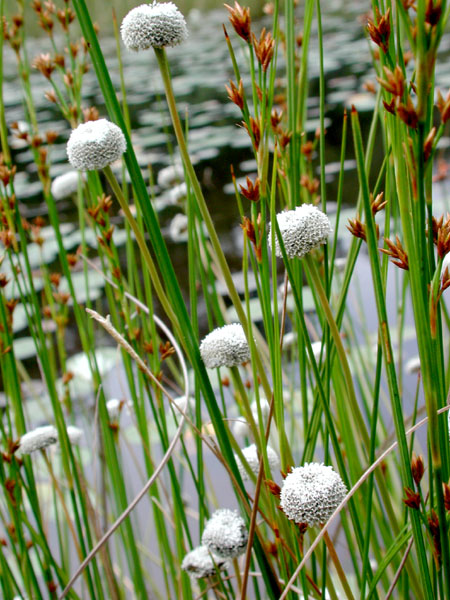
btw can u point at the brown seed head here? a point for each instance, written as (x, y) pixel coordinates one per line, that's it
(273, 487)
(44, 64)
(241, 21)
(443, 106)
(378, 203)
(264, 48)
(51, 96)
(51, 137)
(412, 498)
(396, 251)
(380, 31)
(275, 118)
(417, 468)
(433, 12)
(408, 114)
(394, 81)
(236, 94)
(251, 192)
(357, 228)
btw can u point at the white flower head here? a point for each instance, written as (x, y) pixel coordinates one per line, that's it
(199, 563)
(65, 185)
(74, 434)
(225, 534)
(240, 428)
(95, 144)
(265, 409)
(311, 493)
(225, 347)
(153, 26)
(38, 438)
(168, 176)
(251, 456)
(178, 228)
(413, 365)
(302, 229)
(114, 408)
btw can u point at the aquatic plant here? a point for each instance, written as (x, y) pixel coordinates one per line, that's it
(154, 25)
(226, 346)
(95, 145)
(225, 534)
(311, 493)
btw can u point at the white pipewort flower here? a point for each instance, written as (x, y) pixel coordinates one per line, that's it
(240, 428)
(201, 563)
(225, 534)
(181, 403)
(225, 347)
(251, 456)
(413, 365)
(38, 438)
(153, 26)
(170, 175)
(95, 144)
(302, 229)
(311, 493)
(114, 408)
(65, 185)
(178, 228)
(265, 409)
(74, 434)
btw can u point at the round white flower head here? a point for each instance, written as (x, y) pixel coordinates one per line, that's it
(251, 456)
(311, 493)
(265, 408)
(225, 347)
(153, 26)
(65, 185)
(413, 365)
(38, 438)
(302, 229)
(95, 144)
(114, 408)
(225, 534)
(178, 228)
(199, 563)
(74, 434)
(173, 174)
(240, 428)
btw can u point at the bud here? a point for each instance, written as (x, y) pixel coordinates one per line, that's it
(417, 468)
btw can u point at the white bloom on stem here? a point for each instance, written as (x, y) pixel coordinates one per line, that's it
(65, 185)
(225, 534)
(114, 408)
(302, 229)
(199, 563)
(251, 456)
(225, 347)
(37, 439)
(168, 176)
(153, 26)
(74, 434)
(310, 494)
(413, 365)
(95, 145)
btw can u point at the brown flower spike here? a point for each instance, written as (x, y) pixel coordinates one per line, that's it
(381, 31)
(241, 21)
